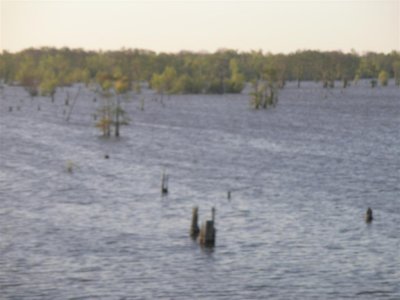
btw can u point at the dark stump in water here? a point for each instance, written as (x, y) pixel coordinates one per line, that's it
(368, 215)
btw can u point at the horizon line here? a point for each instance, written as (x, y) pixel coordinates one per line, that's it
(202, 51)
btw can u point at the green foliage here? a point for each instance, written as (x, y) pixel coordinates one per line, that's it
(27, 75)
(265, 90)
(396, 72)
(224, 71)
(104, 124)
(237, 80)
(156, 83)
(121, 85)
(106, 85)
(111, 113)
(383, 78)
(48, 87)
(189, 85)
(167, 82)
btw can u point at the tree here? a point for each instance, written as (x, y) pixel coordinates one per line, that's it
(105, 121)
(346, 65)
(265, 90)
(396, 72)
(48, 87)
(113, 88)
(383, 78)
(188, 72)
(121, 86)
(236, 82)
(167, 82)
(27, 75)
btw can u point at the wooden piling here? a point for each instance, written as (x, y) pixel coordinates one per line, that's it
(194, 228)
(66, 101)
(142, 104)
(164, 184)
(207, 234)
(368, 215)
(207, 231)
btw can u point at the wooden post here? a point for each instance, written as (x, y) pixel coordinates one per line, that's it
(368, 215)
(66, 101)
(207, 231)
(207, 234)
(194, 229)
(142, 104)
(164, 184)
(229, 195)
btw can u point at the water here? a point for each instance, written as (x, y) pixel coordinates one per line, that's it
(302, 176)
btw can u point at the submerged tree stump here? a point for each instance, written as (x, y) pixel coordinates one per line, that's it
(207, 232)
(194, 228)
(368, 215)
(164, 184)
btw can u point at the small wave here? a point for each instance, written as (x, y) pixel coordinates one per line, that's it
(377, 292)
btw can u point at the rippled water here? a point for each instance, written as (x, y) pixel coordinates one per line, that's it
(301, 176)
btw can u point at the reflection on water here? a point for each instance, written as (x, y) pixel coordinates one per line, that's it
(301, 177)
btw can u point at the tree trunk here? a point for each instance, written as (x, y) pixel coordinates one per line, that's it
(117, 112)
(117, 123)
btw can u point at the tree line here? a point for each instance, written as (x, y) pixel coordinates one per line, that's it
(225, 71)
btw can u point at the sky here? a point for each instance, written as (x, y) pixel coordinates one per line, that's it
(171, 26)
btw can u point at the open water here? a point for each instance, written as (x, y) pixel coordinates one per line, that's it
(301, 177)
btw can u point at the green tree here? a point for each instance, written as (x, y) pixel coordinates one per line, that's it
(265, 90)
(346, 65)
(27, 75)
(121, 86)
(396, 72)
(220, 72)
(383, 78)
(167, 82)
(48, 87)
(169, 78)
(105, 121)
(236, 82)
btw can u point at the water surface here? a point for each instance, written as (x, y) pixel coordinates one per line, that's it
(302, 176)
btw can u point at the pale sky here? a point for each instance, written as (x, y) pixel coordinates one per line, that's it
(171, 26)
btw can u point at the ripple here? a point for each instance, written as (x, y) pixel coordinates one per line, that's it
(301, 177)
